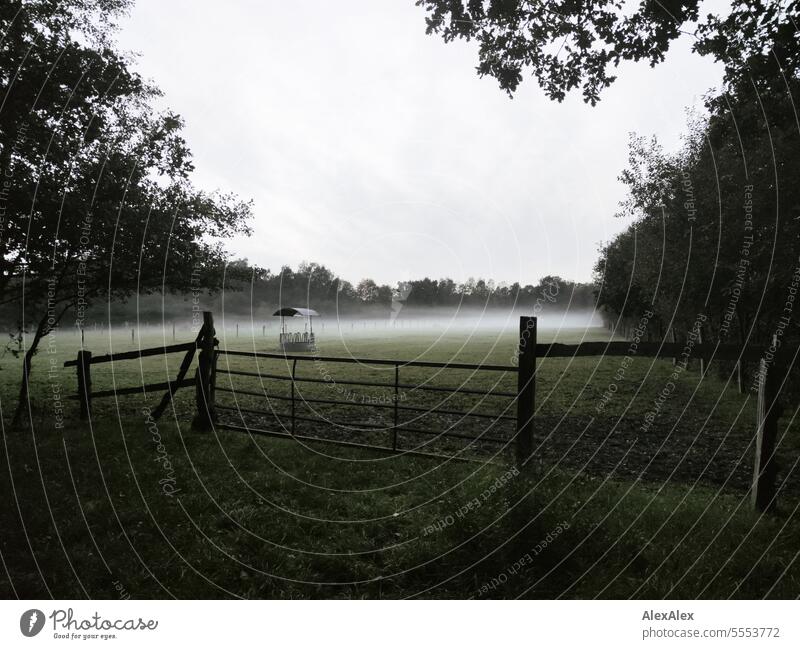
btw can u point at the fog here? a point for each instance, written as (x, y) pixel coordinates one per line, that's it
(423, 322)
(234, 326)
(473, 319)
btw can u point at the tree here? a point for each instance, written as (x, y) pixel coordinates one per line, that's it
(446, 292)
(97, 202)
(384, 297)
(715, 224)
(367, 291)
(423, 292)
(568, 44)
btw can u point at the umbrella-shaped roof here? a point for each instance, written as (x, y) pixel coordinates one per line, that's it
(296, 312)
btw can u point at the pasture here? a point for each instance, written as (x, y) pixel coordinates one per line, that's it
(123, 505)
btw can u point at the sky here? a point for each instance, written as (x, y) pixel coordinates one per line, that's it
(375, 149)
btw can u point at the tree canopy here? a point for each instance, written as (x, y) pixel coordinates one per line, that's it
(259, 292)
(716, 225)
(96, 200)
(569, 44)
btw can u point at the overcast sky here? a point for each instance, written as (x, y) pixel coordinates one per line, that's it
(376, 150)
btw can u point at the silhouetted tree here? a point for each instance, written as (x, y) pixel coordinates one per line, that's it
(568, 44)
(97, 202)
(715, 227)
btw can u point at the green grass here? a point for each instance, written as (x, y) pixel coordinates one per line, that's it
(86, 513)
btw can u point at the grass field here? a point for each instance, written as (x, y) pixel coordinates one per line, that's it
(123, 507)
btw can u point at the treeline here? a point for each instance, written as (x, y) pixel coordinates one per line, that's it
(713, 243)
(260, 292)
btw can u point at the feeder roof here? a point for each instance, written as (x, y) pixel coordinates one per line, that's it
(296, 312)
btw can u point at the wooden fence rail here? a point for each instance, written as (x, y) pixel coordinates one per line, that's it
(768, 406)
(658, 350)
(85, 360)
(529, 352)
(395, 407)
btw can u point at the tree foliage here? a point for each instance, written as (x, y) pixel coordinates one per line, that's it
(569, 44)
(96, 201)
(715, 226)
(257, 293)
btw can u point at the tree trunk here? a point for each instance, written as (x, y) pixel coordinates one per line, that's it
(22, 418)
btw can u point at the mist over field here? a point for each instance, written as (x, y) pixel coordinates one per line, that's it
(534, 349)
(438, 332)
(432, 321)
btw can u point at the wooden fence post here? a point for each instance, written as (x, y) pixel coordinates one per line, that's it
(84, 368)
(526, 388)
(294, 370)
(740, 378)
(672, 336)
(204, 376)
(764, 469)
(702, 356)
(396, 399)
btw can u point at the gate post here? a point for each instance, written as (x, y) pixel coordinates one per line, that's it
(294, 370)
(764, 469)
(740, 375)
(84, 367)
(526, 388)
(396, 399)
(702, 354)
(204, 376)
(673, 340)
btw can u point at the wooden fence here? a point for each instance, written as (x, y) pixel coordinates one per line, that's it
(202, 382)
(395, 408)
(206, 346)
(770, 385)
